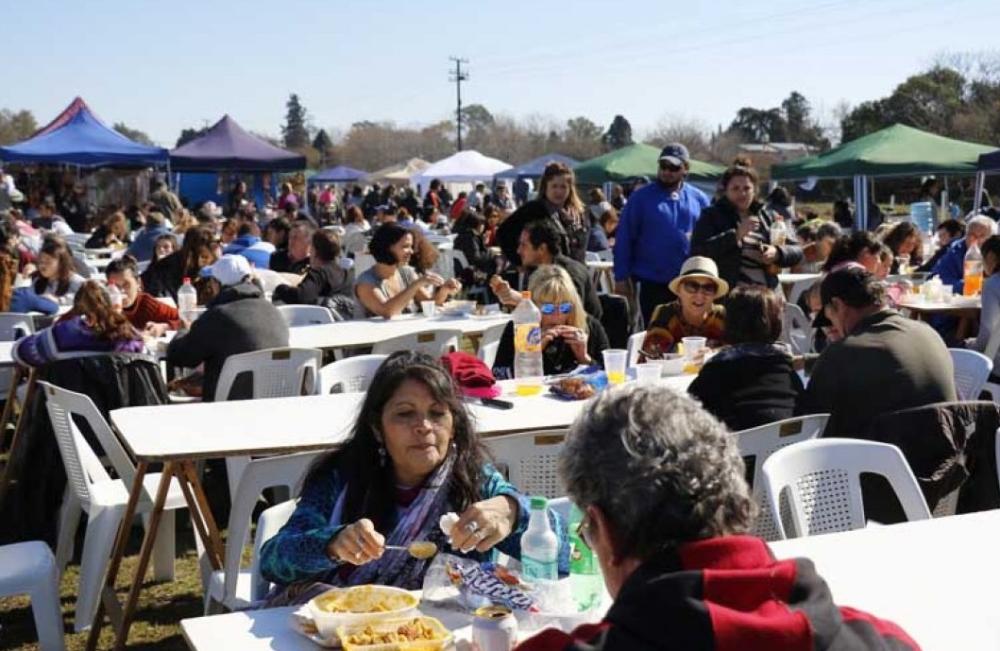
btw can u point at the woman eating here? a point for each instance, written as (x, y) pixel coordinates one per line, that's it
(92, 325)
(570, 336)
(142, 310)
(165, 276)
(693, 314)
(904, 242)
(55, 277)
(113, 233)
(413, 456)
(750, 381)
(392, 286)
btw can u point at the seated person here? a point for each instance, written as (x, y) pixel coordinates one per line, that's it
(903, 239)
(141, 309)
(750, 381)
(143, 246)
(951, 266)
(570, 336)
(93, 325)
(55, 277)
(693, 314)
(328, 281)
(165, 276)
(378, 489)
(113, 233)
(250, 246)
(392, 286)
(948, 231)
(989, 320)
(295, 258)
(164, 245)
(238, 320)
(667, 513)
(48, 220)
(817, 238)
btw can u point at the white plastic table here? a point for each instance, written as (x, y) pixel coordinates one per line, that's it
(6, 353)
(367, 332)
(935, 578)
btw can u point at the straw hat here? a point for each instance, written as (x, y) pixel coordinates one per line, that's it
(700, 267)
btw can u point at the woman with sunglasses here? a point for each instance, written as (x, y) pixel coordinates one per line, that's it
(693, 314)
(570, 336)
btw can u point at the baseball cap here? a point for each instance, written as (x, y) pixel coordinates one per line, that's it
(228, 270)
(675, 153)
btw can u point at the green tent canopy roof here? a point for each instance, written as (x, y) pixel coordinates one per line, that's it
(635, 160)
(898, 150)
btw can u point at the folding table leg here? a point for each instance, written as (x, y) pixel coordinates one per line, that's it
(8, 406)
(201, 513)
(12, 456)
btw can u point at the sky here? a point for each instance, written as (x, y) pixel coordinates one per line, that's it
(163, 66)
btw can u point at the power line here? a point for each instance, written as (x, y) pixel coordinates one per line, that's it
(458, 76)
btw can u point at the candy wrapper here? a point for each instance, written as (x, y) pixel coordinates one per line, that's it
(474, 584)
(581, 384)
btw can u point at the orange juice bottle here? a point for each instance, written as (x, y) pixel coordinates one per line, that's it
(972, 278)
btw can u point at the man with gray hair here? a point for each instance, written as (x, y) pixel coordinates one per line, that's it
(951, 267)
(667, 510)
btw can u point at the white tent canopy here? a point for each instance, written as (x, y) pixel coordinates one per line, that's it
(400, 173)
(464, 167)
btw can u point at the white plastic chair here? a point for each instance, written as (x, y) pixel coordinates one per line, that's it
(362, 263)
(634, 347)
(303, 315)
(797, 330)
(232, 587)
(756, 445)
(531, 460)
(276, 373)
(457, 256)
(29, 568)
(13, 326)
(349, 375)
(489, 344)
(431, 342)
(91, 489)
(822, 481)
(972, 369)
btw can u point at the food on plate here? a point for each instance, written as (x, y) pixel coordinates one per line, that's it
(416, 629)
(576, 388)
(364, 599)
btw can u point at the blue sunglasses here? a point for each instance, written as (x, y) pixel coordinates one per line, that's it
(550, 308)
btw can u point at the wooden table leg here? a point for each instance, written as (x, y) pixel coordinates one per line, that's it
(8, 406)
(15, 439)
(201, 513)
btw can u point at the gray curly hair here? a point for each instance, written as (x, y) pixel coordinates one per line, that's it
(660, 467)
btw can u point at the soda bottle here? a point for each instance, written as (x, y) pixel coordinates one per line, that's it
(585, 577)
(539, 545)
(972, 278)
(528, 370)
(187, 301)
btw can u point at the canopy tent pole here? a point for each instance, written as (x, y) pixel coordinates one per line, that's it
(861, 202)
(977, 203)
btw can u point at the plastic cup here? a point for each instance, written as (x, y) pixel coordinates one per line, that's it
(693, 347)
(429, 308)
(947, 293)
(648, 372)
(614, 364)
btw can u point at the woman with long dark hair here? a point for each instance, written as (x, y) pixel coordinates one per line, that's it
(165, 276)
(55, 276)
(413, 456)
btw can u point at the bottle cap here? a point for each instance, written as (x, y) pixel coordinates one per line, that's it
(187, 280)
(526, 295)
(538, 503)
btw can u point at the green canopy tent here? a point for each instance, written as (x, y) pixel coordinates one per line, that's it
(636, 160)
(898, 150)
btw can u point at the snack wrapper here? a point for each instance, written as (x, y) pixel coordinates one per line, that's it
(581, 384)
(476, 584)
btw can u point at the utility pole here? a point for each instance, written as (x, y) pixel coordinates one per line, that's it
(458, 76)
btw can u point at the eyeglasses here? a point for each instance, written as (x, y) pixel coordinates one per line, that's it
(669, 167)
(582, 531)
(692, 287)
(550, 308)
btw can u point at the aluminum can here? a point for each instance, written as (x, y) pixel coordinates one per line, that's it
(494, 629)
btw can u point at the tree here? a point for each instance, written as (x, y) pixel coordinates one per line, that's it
(618, 135)
(476, 122)
(15, 127)
(323, 145)
(295, 131)
(690, 133)
(760, 125)
(189, 134)
(581, 138)
(133, 134)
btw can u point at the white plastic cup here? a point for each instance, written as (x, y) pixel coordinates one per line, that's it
(692, 347)
(648, 372)
(429, 308)
(614, 364)
(947, 293)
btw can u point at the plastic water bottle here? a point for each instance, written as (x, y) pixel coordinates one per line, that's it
(584, 574)
(187, 301)
(115, 295)
(528, 370)
(972, 278)
(539, 545)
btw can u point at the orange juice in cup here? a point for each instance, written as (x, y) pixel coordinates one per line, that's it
(615, 361)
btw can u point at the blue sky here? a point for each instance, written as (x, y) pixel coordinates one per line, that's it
(161, 66)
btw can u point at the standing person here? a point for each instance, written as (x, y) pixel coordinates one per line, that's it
(501, 199)
(522, 188)
(76, 208)
(294, 259)
(951, 266)
(287, 199)
(735, 231)
(432, 199)
(474, 201)
(236, 197)
(558, 204)
(654, 232)
(165, 200)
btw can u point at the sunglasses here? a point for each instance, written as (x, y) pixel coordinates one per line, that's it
(692, 287)
(550, 308)
(669, 167)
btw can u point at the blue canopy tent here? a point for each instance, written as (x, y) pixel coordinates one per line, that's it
(533, 168)
(338, 174)
(78, 137)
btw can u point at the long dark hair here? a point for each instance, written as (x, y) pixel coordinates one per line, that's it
(195, 240)
(370, 484)
(56, 248)
(849, 247)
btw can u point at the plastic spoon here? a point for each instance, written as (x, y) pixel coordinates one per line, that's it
(422, 549)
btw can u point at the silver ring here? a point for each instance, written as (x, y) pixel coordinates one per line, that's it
(472, 527)
(357, 556)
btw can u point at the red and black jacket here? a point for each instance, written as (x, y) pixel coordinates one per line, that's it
(727, 594)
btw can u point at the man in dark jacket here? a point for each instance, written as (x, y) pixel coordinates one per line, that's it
(883, 363)
(328, 281)
(540, 244)
(238, 320)
(295, 259)
(666, 510)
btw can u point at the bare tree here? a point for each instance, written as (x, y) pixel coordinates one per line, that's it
(691, 133)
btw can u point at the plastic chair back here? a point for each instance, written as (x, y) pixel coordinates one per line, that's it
(531, 460)
(277, 372)
(972, 369)
(270, 522)
(756, 445)
(489, 344)
(431, 342)
(634, 347)
(350, 375)
(822, 481)
(13, 326)
(303, 315)
(797, 330)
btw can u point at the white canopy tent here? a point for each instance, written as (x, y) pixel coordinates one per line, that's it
(400, 173)
(464, 167)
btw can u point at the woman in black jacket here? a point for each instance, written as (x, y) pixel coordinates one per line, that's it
(557, 201)
(735, 231)
(165, 276)
(325, 282)
(750, 381)
(470, 241)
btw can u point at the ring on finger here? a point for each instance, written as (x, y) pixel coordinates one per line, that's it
(472, 526)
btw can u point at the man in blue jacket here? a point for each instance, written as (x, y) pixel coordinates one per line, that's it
(951, 267)
(654, 235)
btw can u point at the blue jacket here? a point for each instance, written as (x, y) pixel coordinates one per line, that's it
(24, 299)
(951, 267)
(654, 235)
(298, 551)
(145, 241)
(249, 247)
